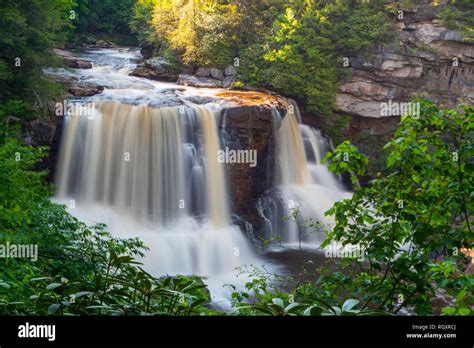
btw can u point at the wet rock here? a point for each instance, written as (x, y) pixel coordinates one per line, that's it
(196, 81)
(155, 69)
(103, 44)
(254, 98)
(85, 90)
(228, 81)
(217, 74)
(73, 62)
(203, 72)
(78, 63)
(249, 128)
(201, 100)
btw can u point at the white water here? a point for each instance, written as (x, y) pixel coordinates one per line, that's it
(146, 165)
(152, 172)
(303, 183)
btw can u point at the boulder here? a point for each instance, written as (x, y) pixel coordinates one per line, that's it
(153, 74)
(228, 81)
(217, 74)
(103, 44)
(73, 62)
(230, 70)
(155, 69)
(158, 63)
(197, 81)
(203, 72)
(147, 50)
(77, 63)
(84, 90)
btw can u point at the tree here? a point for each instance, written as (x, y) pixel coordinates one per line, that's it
(111, 17)
(28, 32)
(416, 215)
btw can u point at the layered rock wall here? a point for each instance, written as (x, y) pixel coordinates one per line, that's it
(424, 59)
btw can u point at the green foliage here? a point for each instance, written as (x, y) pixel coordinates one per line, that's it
(302, 64)
(338, 125)
(460, 15)
(460, 286)
(412, 224)
(263, 296)
(420, 211)
(141, 21)
(110, 17)
(28, 32)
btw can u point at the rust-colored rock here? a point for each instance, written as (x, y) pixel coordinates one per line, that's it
(249, 127)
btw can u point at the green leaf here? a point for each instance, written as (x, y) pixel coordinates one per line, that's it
(81, 293)
(197, 303)
(259, 308)
(279, 302)
(53, 308)
(5, 285)
(312, 311)
(39, 279)
(461, 295)
(448, 311)
(293, 307)
(53, 286)
(349, 304)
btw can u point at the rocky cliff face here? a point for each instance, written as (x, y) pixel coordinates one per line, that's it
(250, 125)
(45, 133)
(425, 59)
(249, 128)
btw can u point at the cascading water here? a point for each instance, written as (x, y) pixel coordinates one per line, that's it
(144, 162)
(303, 183)
(152, 172)
(156, 170)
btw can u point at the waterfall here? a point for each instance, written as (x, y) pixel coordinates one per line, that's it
(291, 153)
(153, 173)
(302, 183)
(144, 162)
